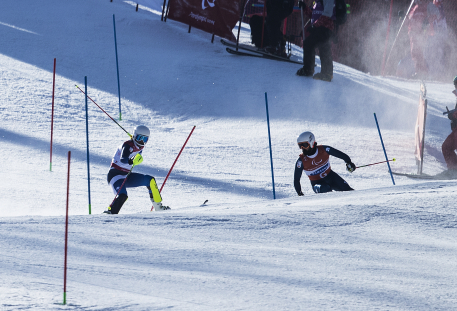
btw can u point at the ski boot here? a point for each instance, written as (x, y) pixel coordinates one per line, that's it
(117, 204)
(323, 77)
(304, 72)
(159, 207)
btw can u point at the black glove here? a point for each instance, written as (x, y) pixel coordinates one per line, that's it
(301, 4)
(300, 193)
(350, 167)
(131, 160)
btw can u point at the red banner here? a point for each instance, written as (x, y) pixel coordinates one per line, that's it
(217, 17)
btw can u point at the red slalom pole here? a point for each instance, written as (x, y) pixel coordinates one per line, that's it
(52, 113)
(103, 111)
(177, 158)
(66, 235)
(377, 163)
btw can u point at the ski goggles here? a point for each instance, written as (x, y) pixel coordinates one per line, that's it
(141, 138)
(305, 145)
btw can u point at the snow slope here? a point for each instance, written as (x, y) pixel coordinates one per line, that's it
(382, 247)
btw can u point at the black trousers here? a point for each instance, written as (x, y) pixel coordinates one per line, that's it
(277, 11)
(319, 38)
(332, 181)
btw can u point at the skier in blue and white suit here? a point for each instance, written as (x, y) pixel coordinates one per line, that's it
(128, 155)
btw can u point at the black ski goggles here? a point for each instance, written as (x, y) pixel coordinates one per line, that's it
(141, 138)
(305, 145)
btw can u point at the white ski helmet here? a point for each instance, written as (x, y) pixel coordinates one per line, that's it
(306, 137)
(141, 135)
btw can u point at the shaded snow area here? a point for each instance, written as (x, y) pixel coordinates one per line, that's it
(381, 247)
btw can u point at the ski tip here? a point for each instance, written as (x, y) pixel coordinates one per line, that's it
(205, 202)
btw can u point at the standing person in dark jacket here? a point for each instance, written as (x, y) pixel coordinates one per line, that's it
(277, 11)
(315, 162)
(450, 144)
(322, 17)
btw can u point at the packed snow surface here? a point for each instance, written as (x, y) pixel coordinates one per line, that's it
(381, 247)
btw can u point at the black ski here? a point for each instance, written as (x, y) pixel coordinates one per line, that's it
(262, 55)
(253, 51)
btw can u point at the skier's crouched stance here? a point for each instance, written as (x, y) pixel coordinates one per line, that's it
(315, 162)
(126, 157)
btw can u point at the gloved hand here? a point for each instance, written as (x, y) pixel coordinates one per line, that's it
(350, 167)
(300, 193)
(136, 159)
(301, 4)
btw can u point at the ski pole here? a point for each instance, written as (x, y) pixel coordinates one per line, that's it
(176, 159)
(303, 33)
(303, 25)
(104, 111)
(125, 179)
(376, 163)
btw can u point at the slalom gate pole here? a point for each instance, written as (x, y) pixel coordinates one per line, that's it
(376, 163)
(117, 67)
(52, 113)
(104, 111)
(176, 159)
(163, 9)
(385, 153)
(271, 153)
(125, 179)
(401, 26)
(66, 235)
(387, 38)
(87, 145)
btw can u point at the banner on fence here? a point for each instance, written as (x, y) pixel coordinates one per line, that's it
(213, 16)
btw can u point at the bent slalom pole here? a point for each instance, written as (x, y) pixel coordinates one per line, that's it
(169, 172)
(376, 163)
(104, 111)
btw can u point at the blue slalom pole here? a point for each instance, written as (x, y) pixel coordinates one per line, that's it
(117, 67)
(385, 153)
(87, 140)
(271, 153)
